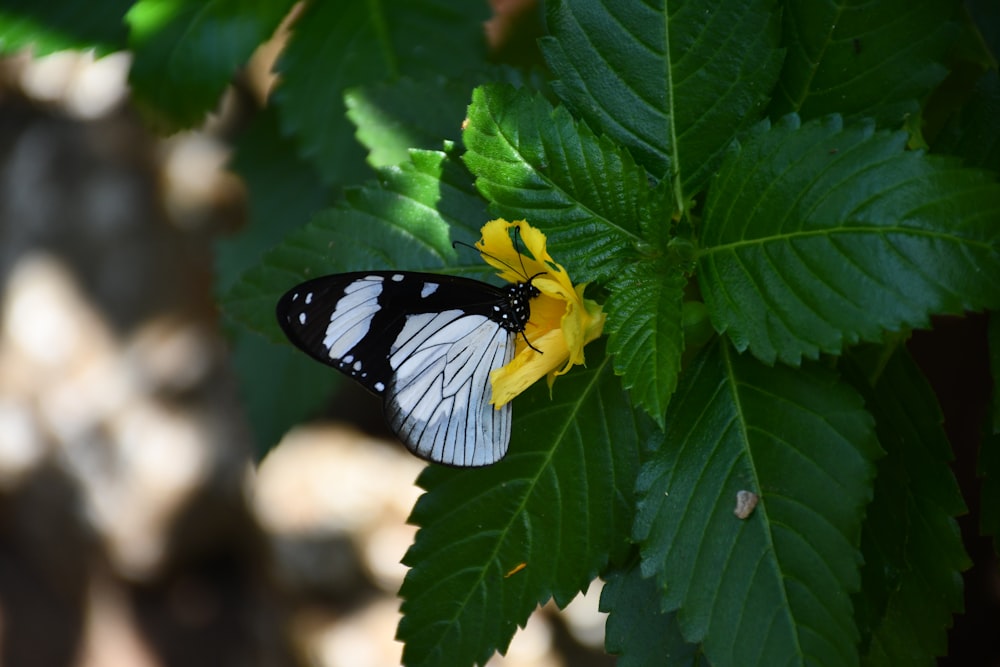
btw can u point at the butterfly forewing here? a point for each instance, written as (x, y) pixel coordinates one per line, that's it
(426, 343)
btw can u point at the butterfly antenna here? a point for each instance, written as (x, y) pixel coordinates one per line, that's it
(524, 271)
(455, 244)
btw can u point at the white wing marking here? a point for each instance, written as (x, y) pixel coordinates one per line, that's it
(416, 330)
(438, 402)
(351, 319)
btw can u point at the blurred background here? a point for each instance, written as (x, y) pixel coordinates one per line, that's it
(136, 527)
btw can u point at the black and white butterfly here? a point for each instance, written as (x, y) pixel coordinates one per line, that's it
(426, 344)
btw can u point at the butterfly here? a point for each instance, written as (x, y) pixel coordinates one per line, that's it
(426, 343)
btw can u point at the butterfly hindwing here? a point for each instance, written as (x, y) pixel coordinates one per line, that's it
(438, 401)
(424, 342)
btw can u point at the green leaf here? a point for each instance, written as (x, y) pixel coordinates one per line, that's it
(533, 162)
(405, 221)
(58, 25)
(673, 84)
(391, 121)
(186, 52)
(818, 236)
(646, 335)
(773, 588)
(279, 386)
(339, 45)
(496, 542)
(973, 132)
(637, 631)
(911, 544)
(875, 59)
(283, 193)
(986, 17)
(391, 118)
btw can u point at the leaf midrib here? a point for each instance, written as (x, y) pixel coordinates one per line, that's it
(671, 119)
(814, 64)
(878, 230)
(733, 385)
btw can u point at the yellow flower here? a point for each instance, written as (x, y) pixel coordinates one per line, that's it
(561, 322)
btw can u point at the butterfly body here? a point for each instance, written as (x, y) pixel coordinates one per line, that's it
(425, 343)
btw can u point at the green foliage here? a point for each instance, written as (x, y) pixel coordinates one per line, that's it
(802, 441)
(971, 132)
(194, 45)
(638, 631)
(876, 60)
(644, 323)
(674, 87)
(339, 45)
(738, 184)
(911, 547)
(532, 162)
(835, 235)
(408, 218)
(46, 27)
(554, 505)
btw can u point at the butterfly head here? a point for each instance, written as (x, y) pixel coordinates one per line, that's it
(519, 295)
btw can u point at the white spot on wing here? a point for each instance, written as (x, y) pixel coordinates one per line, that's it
(428, 289)
(302, 318)
(351, 319)
(397, 277)
(379, 387)
(309, 298)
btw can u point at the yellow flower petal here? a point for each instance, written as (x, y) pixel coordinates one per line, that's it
(562, 322)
